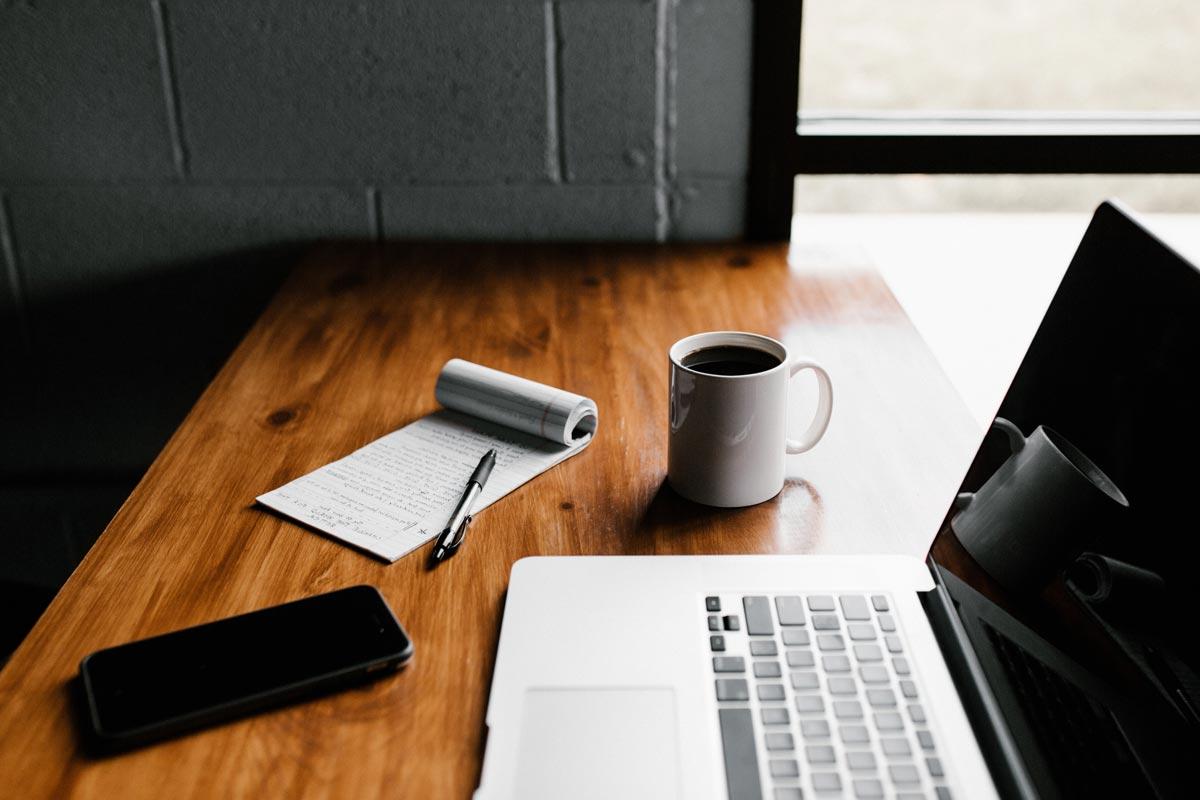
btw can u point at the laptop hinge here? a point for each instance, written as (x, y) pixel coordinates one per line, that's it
(995, 741)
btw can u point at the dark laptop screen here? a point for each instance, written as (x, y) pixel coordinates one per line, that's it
(1073, 547)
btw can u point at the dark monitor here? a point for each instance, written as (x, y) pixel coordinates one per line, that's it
(1073, 548)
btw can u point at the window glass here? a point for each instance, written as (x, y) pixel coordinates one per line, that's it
(1018, 193)
(1067, 55)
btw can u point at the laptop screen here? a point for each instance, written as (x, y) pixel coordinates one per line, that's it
(1071, 551)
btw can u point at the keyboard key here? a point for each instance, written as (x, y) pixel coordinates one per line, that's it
(800, 658)
(805, 681)
(826, 782)
(909, 796)
(895, 747)
(766, 669)
(868, 788)
(868, 652)
(835, 663)
(732, 689)
(790, 610)
(826, 622)
(714, 623)
(712, 604)
(934, 766)
(783, 768)
(881, 698)
(819, 754)
(820, 602)
(846, 709)
(861, 632)
(831, 641)
(854, 734)
(741, 754)
(780, 741)
(729, 664)
(917, 713)
(795, 638)
(770, 691)
(893, 644)
(926, 740)
(814, 729)
(880, 602)
(732, 623)
(889, 721)
(717, 643)
(758, 616)
(860, 759)
(810, 703)
(842, 685)
(900, 665)
(887, 623)
(904, 773)
(788, 793)
(763, 647)
(943, 792)
(854, 607)
(874, 673)
(908, 689)
(775, 716)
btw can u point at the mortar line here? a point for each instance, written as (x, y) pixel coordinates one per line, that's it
(305, 183)
(12, 270)
(375, 213)
(556, 157)
(166, 62)
(671, 118)
(662, 215)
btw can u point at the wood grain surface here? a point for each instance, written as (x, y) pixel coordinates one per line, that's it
(348, 351)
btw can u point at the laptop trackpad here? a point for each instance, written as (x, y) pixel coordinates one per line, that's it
(598, 743)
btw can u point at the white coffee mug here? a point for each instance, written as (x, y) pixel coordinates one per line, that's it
(728, 433)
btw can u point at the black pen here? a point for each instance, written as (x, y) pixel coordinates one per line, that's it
(451, 538)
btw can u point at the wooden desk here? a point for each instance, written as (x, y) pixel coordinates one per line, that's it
(348, 351)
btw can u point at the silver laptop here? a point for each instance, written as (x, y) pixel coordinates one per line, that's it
(891, 677)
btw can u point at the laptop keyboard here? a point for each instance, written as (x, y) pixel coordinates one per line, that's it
(816, 698)
(1083, 746)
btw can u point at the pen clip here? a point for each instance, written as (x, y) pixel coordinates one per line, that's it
(459, 534)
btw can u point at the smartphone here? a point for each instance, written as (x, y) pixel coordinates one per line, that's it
(160, 687)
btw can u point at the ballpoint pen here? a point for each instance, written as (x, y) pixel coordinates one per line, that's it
(451, 538)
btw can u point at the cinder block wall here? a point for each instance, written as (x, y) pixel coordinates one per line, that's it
(138, 134)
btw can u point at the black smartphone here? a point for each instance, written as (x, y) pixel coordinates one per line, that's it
(155, 688)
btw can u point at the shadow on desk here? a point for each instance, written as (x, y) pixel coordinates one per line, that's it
(97, 377)
(791, 518)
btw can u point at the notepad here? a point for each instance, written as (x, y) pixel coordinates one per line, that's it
(396, 493)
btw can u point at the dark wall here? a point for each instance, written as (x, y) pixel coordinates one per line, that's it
(137, 132)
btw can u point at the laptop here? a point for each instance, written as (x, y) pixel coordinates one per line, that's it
(865, 677)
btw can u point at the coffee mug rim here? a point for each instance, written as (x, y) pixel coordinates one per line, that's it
(738, 338)
(1061, 444)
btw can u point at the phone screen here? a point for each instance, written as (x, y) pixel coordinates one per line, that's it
(229, 662)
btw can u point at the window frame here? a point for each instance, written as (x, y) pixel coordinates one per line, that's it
(785, 143)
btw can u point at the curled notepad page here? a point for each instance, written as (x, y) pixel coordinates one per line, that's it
(394, 494)
(516, 403)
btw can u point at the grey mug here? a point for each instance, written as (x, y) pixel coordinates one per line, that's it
(1037, 512)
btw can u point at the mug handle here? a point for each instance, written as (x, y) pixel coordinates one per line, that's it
(1016, 439)
(1016, 443)
(824, 406)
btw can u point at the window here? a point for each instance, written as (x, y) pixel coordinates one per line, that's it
(973, 87)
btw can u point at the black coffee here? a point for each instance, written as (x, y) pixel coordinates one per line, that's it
(730, 360)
